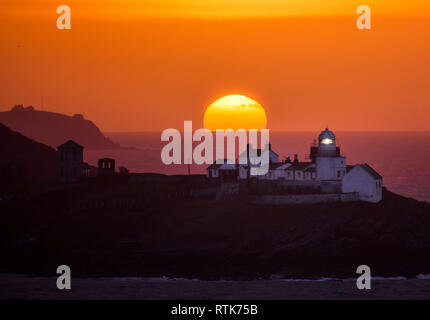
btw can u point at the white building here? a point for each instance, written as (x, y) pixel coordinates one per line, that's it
(273, 156)
(363, 179)
(226, 169)
(300, 171)
(278, 170)
(327, 169)
(244, 172)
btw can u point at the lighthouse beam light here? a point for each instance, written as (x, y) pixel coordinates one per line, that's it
(326, 141)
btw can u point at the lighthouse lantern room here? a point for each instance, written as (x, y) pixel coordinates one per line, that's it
(330, 165)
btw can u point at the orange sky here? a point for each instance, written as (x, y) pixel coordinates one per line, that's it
(149, 65)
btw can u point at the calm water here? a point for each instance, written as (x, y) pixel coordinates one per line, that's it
(403, 159)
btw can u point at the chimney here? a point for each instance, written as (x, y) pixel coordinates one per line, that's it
(296, 158)
(288, 160)
(248, 147)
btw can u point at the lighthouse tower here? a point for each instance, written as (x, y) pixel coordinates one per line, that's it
(330, 165)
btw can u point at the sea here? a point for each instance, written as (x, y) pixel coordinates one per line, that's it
(402, 158)
(23, 287)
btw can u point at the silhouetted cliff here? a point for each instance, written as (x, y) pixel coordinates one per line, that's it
(54, 129)
(25, 160)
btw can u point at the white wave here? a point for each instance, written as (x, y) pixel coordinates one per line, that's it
(127, 278)
(273, 278)
(312, 280)
(388, 278)
(346, 279)
(185, 279)
(163, 278)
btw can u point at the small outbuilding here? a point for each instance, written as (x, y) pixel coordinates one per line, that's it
(365, 180)
(71, 161)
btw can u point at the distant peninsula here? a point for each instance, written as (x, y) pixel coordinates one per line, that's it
(54, 129)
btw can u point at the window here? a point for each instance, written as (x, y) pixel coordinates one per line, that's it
(338, 174)
(326, 141)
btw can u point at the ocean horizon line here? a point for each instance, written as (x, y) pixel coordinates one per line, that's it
(288, 131)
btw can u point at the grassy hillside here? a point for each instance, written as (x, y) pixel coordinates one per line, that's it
(161, 225)
(23, 160)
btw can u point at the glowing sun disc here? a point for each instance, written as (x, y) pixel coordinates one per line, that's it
(234, 112)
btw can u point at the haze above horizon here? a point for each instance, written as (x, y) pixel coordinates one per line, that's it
(149, 65)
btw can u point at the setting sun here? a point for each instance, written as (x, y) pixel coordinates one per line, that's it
(235, 112)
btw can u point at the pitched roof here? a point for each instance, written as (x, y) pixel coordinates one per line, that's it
(258, 151)
(284, 166)
(216, 165)
(298, 166)
(71, 144)
(275, 165)
(370, 170)
(366, 168)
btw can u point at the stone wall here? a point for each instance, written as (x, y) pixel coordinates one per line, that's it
(303, 198)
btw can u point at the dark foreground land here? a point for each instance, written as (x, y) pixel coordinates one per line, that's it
(154, 226)
(21, 287)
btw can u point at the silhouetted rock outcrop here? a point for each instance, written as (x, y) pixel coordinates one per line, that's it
(24, 160)
(54, 129)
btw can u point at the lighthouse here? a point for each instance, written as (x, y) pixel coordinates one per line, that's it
(327, 174)
(330, 164)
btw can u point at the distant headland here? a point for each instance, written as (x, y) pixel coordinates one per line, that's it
(54, 129)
